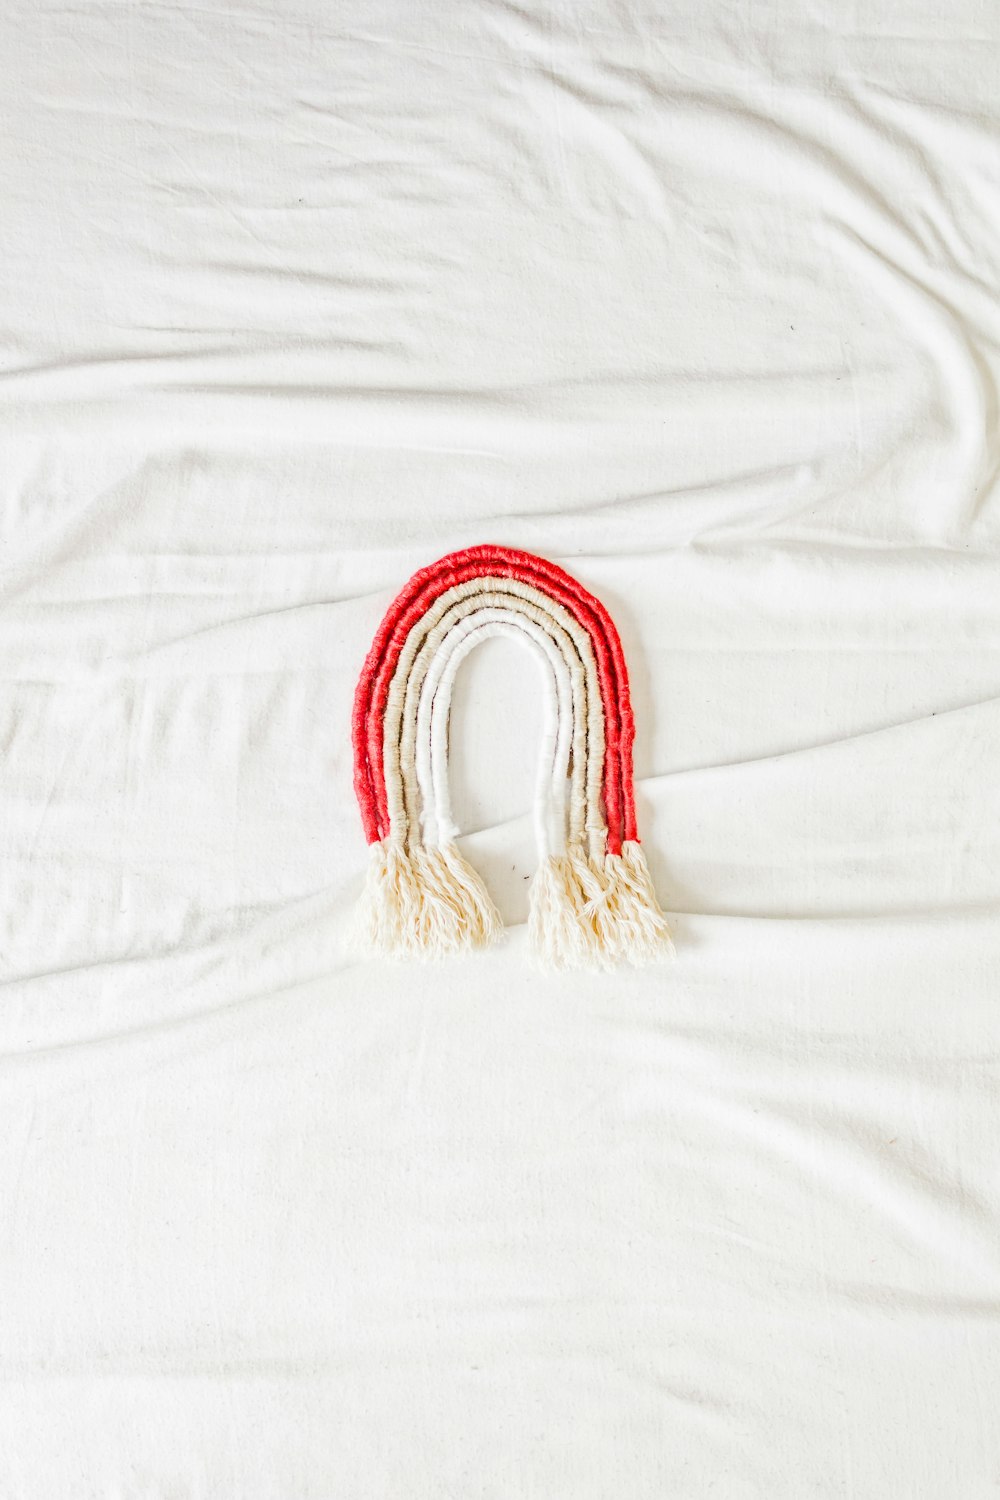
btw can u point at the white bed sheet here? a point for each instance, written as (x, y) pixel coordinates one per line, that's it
(699, 300)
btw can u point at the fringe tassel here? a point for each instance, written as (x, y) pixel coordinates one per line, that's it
(638, 930)
(585, 914)
(390, 905)
(423, 903)
(592, 915)
(562, 935)
(458, 913)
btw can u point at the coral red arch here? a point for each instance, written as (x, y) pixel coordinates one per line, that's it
(405, 613)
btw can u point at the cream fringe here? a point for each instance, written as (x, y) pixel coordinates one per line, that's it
(562, 933)
(593, 914)
(424, 903)
(585, 914)
(389, 906)
(459, 913)
(640, 934)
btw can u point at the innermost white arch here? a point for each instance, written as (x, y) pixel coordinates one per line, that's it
(550, 807)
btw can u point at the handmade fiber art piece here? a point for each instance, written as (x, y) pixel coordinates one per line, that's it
(592, 899)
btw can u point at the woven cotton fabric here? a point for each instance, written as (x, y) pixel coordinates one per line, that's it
(698, 300)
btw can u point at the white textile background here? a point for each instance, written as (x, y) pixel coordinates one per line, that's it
(698, 299)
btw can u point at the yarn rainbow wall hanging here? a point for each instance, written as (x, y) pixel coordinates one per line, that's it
(592, 900)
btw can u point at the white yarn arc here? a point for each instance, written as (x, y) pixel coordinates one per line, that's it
(550, 806)
(403, 705)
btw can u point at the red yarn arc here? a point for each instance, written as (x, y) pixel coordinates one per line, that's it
(484, 563)
(405, 613)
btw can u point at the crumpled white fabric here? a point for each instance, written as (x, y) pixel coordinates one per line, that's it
(700, 301)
